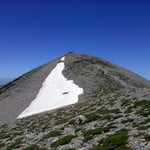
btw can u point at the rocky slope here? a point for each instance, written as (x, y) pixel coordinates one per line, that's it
(113, 113)
(93, 74)
(118, 120)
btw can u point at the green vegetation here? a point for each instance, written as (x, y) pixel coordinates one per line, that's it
(96, 148)
(91, 117)
(70, 149)
(15, 145)
(146, 121)
(65, 140)
(126, 102)
(104, 112)
(114, 111)
(144, 112)
(118, 116)
(129, 110)
(100, 118)
(51, 134)
(143, 127)
(88, 134)
(108, 117)
(115, 141)
(107, 111)
(4, 135)
(145, 107)
(143, 103)
(34, 147)
(61, 121)
(139, 134)
(1, 144)
(127, 120)
(147, 137)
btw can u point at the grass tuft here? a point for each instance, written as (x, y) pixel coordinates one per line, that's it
(65, 140)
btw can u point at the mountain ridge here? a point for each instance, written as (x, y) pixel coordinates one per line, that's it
(112, 112)
(89, 72)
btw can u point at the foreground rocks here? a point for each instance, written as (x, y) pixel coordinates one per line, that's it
(123, 115)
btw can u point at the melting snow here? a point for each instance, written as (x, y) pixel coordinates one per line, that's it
(63, 58)
(56, 92)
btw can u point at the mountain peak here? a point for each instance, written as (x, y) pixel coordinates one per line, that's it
(76, 101)
(92, 74)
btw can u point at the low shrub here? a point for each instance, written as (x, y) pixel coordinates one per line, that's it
(51, 134)
(14, 145)
(88, 134)
(64, 140)
(91, 117)
(61, 121)
(127, 120)
(145, 121)
(147, 137)
(34, 147)
(144, 103)
(115, 141)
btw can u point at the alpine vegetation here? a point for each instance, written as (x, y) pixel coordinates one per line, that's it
(76, 102)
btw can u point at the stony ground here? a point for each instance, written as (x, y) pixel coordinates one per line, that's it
(114, 121)
(88, 72)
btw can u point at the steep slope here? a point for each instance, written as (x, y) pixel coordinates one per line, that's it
(94, 75)
(118, 120)
(18, 94)
(56, 92)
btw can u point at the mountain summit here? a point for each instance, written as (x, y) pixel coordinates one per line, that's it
(63, 81)
(76, 102)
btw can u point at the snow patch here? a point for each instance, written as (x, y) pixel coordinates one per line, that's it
(63, 58)
(56, 92)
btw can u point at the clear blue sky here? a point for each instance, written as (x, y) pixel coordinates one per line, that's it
(33, 32)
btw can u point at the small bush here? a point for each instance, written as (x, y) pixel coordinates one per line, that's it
(96, 148)
(1, 144)
(144, 127)
(65, 140)
(129, 110)
(144, 112)
(126, 102)
(114, 111)
(107, 117)
(61, 121)
(93, 131)
(144, 103)
(51, 134)
(34, 147)
(15, 145)
(70, 149)
(91, 117)
(115, 141)
(147, 137)
(88, 134)
(145, 121)
(127, 120)
(107, 111)
(108, 127)
(4, 135)
(103, 111)
(116, 117)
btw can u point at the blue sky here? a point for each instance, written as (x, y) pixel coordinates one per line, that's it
(33, 32)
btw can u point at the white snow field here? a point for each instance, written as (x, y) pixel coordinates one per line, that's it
(56, 92)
